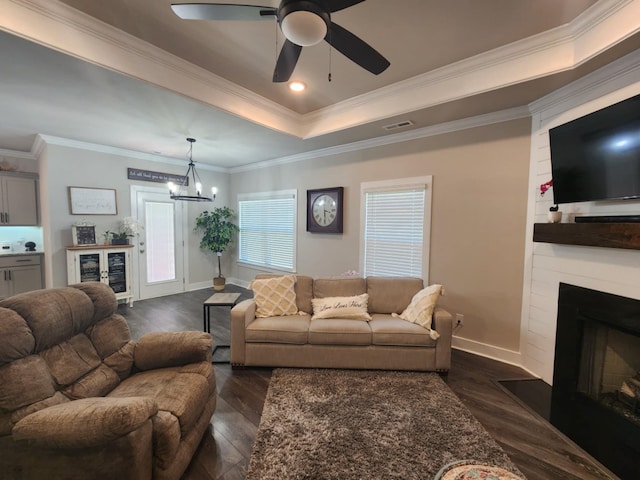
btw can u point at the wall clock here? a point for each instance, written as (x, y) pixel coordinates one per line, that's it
(324, 210)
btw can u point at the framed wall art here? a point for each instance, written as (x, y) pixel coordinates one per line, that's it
(83, 234)
(92, 201)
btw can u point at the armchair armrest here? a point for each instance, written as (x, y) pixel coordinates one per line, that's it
(89, 422)
(241, 315)
(172, 349)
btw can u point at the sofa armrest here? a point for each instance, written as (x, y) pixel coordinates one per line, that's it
(89, 422)
(172, 349)
(443, 324)
(241, 316)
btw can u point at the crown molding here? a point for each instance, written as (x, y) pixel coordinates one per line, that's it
(605, 24)
(67, 30)
(17, 154)
(418, 133)
(616, 75)
(58, 26)
(43, 140)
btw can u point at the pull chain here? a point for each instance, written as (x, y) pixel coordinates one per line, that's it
(330, 49)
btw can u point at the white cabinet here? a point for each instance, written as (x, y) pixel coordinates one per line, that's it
(19, 274)
(18, 199)
(107, 264)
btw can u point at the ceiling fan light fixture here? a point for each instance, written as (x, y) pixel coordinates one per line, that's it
(297, 86)
(304, 28)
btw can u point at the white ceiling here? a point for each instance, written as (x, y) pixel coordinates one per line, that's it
(130, 74)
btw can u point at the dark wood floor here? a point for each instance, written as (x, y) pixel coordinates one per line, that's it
(534, 446)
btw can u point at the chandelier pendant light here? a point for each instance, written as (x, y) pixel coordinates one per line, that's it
(181, 192)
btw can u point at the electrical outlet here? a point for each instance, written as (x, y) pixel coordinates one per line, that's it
(459, 319)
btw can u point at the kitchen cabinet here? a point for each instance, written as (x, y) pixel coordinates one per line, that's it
(110, 264)
(18, 199)
(19, 274)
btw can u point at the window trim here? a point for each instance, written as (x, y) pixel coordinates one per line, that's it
(272, 195)
(397, 185)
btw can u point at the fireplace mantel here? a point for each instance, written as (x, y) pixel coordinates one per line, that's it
(608, 235)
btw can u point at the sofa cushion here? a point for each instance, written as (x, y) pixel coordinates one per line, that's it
(291, 329)
(303, 289)
(353, 308)
(53, 315)
(332, 331)
(391, 294)
(274, 296)
(96, 383)
(181, 394)
(387, 330)
(24, 382)
(70, 360)
(338, 287)
(420, 310)
(16, 339)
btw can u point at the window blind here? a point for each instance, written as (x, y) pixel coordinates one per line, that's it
(268, 230)
(394, 232)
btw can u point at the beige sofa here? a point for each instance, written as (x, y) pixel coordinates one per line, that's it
(385, 342)
(80, 400)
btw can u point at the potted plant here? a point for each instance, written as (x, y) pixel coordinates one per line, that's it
(217, 233)
(129, 228)
(119, 238)
(554, 215)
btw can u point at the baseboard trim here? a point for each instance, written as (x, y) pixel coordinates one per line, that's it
(500, 354)
(199, 286)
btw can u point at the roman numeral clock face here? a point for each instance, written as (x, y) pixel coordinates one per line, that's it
(324, 210)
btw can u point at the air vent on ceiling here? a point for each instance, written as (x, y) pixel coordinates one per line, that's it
(395, 126)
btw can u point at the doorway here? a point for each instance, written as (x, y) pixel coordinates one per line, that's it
(161, 251)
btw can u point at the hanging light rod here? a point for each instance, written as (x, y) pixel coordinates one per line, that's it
(181, 192)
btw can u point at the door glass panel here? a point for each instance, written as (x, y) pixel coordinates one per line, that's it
(160, 241)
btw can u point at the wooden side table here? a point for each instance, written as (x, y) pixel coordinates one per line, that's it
(217, 300)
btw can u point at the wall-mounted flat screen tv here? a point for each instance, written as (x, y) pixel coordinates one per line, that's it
(597, 157)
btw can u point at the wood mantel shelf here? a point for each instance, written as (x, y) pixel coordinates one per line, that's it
(608, 235)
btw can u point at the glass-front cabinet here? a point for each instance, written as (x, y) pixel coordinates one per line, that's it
(107, 264)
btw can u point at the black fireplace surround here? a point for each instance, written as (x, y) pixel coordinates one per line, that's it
(598, 333)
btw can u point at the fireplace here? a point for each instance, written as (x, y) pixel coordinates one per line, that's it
(596, 381)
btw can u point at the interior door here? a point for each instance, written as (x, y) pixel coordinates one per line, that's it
(160, 248)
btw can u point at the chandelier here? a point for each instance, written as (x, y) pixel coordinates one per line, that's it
(181, 191)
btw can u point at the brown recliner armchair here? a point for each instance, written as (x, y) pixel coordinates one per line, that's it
(80, 400)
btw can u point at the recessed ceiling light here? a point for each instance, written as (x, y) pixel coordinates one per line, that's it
(297, 86)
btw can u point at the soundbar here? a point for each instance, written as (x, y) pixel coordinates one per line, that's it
(609, 219)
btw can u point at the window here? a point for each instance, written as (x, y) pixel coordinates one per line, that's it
(396, 222)
(268, 229)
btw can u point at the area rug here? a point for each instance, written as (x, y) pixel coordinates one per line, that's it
(353, 425)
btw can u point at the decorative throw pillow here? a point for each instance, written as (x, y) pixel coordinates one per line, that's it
(351, 308)
(274, 296)
(420, 310)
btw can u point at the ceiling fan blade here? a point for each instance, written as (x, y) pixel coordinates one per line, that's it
(222, 11)
(287, 61)
(356, 49)
(337, 5)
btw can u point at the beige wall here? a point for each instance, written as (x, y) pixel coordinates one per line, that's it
(62, 166)
(480, 182)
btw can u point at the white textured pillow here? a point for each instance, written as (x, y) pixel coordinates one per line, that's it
(351, 308)
(420, 310)
(274, 296)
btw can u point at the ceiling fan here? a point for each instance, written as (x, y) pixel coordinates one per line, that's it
(303, 23)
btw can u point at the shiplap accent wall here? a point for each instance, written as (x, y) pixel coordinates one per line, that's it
(610, 270)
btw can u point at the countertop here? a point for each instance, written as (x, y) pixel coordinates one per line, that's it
(18, 254)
